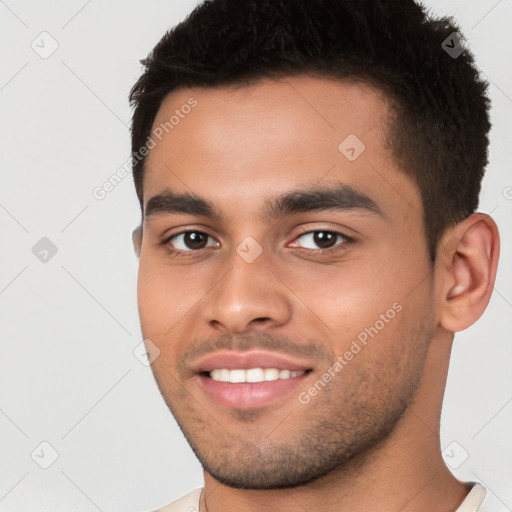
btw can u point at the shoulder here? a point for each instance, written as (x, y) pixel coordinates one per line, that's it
(480, 500)
(189, 503)
(473, 500)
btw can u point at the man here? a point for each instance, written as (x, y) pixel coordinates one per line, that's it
(309, 174)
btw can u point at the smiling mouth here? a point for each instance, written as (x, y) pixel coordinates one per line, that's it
(251, 388)
(252, 379)
(252, 375)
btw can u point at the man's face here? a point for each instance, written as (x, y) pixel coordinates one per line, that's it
(270, 283)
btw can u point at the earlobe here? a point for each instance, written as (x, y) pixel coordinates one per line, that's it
(469, 268)
(137, 240)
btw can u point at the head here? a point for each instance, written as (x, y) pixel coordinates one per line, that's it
(308, 175)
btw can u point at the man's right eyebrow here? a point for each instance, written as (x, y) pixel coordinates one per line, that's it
(168, 202)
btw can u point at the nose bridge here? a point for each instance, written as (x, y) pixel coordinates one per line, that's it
(248, 291)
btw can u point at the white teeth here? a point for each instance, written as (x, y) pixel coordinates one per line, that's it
(271, 374)
(223, 375)
(237, 376)
(252, 375)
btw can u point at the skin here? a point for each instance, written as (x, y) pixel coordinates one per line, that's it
(370, 438)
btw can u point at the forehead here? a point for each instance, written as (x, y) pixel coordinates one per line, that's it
(247, 144)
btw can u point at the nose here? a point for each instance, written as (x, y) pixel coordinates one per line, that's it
(248, 296)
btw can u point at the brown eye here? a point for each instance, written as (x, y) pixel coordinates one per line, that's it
(195, 240)
(323, 239)
(190, 241)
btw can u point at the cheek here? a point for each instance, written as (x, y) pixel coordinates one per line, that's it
(156, 298)
(347, 297)
(168, 297)
(160, 312)
(365, 297)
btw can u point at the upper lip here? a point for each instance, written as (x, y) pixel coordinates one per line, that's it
(231, 360)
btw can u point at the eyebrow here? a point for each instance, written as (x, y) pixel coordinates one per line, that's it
(168, 202)
(340, 197)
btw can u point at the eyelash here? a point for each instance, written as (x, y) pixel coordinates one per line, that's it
(347, 240)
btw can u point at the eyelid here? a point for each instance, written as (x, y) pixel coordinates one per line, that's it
(180, 230)
(302, 231)
(208, 236)
(307, 231)
(313, 227)
(167, 239)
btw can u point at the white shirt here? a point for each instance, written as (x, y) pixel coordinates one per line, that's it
(475, 502)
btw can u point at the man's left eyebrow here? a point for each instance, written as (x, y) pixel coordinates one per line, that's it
(340, 197)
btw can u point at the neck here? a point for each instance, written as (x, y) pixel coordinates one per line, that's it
(403, 473)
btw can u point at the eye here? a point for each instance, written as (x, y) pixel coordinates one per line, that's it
(190, 241)
(324, 240)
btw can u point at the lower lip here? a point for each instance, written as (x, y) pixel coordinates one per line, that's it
(248, 395)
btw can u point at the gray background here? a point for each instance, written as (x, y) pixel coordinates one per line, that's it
(68, 374)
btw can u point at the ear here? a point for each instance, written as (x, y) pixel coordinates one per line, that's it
(137, 240)
(468, 263)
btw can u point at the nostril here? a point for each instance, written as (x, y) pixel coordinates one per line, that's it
(261, 319)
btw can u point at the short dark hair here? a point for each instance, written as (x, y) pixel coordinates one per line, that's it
(439, 120)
